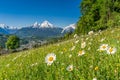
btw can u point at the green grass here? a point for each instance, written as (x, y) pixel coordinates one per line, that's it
(30, 65)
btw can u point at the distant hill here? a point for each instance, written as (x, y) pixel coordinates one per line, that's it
(39, 32)
(3, 39)
(43, 31)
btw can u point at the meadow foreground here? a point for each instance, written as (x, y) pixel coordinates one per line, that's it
(88, 57)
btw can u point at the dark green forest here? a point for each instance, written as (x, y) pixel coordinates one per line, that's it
(98, 15)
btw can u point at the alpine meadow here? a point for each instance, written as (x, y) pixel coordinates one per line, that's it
(91, 51)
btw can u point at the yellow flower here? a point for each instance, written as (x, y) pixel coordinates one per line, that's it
(96, 68)
(65, 49)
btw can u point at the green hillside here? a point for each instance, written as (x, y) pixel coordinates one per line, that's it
(80, 58)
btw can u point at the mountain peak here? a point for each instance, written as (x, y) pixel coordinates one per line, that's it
(3, 26)
(46, 24)
(36, 25)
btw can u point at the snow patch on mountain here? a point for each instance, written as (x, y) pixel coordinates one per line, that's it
(36, 25)
(69, 28)
(4, 26)
(44, 24)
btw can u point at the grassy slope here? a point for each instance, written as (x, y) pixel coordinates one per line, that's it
(30, 65)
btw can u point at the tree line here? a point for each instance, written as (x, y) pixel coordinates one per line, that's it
(98, 15)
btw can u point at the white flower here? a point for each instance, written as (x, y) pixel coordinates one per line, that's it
(83, 44)
(61, 52)
(118, 42)
(58, 44)
(94, 78)
(72, 48)
(91, 39)
(89, 48)
(96, 34)
(34, 64)
(16, 57)
(75, 36)
(102, 39)
(99, 31)
(90, 33)
(63, 64)
(7, 65)
(80, 53)
(87, 38)
(70, 56)
(103, 47)
(111, 50)
(112, 31)
(89, 43)
(50, 58)
(69, 68)
(76, 41)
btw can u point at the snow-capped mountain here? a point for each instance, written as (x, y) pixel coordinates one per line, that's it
(4, 29)
(4, 26)
(36, 25)
(46, 24)
(69, 28)
(43, 30)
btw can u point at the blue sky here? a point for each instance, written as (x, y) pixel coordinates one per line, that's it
(22, 13)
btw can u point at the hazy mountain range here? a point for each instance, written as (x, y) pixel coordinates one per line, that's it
(37, 30)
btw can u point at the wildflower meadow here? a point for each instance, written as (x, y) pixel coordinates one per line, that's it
(95, 56)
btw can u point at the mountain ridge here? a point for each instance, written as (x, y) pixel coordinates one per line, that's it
(44, 29)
